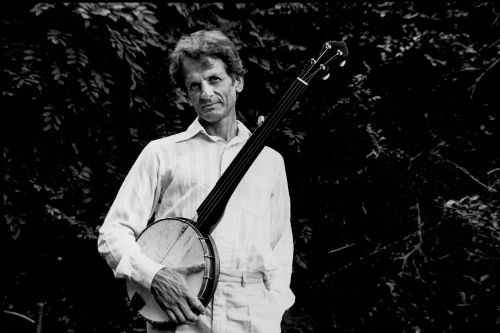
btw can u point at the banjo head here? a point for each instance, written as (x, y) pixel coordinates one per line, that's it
(175, 242)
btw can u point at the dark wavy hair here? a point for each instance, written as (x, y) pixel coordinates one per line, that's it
(202, 44)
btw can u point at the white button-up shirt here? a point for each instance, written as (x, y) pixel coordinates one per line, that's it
(171, 178)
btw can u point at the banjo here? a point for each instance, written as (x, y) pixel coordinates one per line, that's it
(180, 241)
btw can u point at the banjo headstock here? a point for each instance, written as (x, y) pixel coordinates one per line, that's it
(332, 53)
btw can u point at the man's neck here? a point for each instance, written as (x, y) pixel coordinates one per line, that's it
(226, 128)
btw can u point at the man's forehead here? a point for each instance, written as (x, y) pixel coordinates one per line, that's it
(204, 64)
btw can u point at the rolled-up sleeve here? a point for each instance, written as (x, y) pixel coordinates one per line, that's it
(127, 217)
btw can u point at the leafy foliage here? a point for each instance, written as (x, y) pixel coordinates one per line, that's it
(392, 164)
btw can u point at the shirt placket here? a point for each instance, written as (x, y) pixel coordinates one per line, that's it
(226, 159)
(229, 153)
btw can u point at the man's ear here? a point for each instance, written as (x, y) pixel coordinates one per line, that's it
(239, 82)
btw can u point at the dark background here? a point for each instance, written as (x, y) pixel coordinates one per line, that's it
(393, 163)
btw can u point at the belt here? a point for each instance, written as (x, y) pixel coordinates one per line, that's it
(241, 277)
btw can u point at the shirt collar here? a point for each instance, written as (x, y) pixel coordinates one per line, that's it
(196, 127)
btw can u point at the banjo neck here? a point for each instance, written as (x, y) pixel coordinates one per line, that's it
(212, 208)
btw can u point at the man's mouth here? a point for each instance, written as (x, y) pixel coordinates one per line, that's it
(208, 105)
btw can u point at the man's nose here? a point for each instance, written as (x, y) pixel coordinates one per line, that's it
(206, 90)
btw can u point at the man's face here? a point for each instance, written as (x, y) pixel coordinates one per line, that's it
(211, 90)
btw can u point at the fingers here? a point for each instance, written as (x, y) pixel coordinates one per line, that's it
(186, 270)
(181, 319)
(188, 313)
(196, 306)
(171, 316)
(181, 314)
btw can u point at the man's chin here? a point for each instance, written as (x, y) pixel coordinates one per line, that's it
(210, 116)
(207, 118)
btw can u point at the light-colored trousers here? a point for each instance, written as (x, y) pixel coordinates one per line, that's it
(241, 304)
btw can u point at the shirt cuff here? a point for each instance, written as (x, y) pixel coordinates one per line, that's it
(283, 300)
(139, 268)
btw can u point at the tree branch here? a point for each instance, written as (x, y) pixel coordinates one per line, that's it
(474, 86)
(461, 168)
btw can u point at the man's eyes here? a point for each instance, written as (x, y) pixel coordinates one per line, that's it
(194, 86)
(212, 80)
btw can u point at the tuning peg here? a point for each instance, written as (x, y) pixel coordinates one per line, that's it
(325, 69)
(260, 120)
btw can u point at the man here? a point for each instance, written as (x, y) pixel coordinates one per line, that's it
(173, 175)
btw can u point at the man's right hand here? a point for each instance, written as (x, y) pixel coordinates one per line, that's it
(171, 292)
